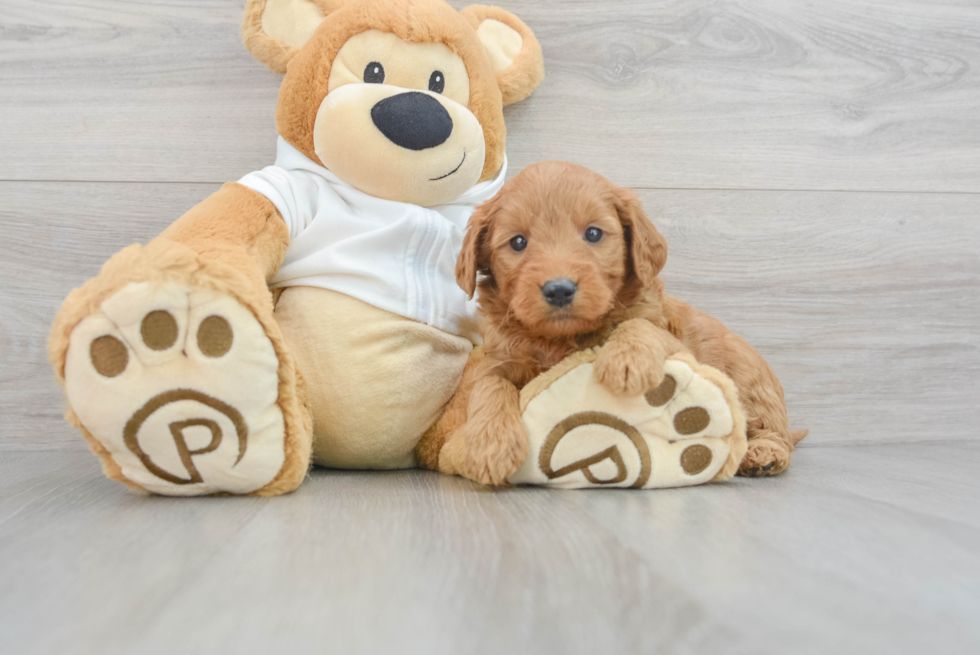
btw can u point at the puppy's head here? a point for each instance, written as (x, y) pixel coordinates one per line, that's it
(561, 246)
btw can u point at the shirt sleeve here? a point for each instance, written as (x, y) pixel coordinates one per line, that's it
(292, 192)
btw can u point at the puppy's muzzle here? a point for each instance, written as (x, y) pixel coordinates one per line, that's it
(559, 292)
(413, 120)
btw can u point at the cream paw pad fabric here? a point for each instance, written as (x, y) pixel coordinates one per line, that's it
(180, 385)
(687, 431)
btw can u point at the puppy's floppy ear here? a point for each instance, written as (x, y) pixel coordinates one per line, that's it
(647, 249)
(475, 256)
(514, 51)
(274, 30)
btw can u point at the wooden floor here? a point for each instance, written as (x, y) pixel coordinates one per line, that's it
(815, 168)
(861, 549)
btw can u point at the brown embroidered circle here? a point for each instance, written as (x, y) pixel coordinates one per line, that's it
(691, 420)
(132, 427)
(214, 336)
(695, 459)
(661, 395)
(612, 453)
(159, 330)
(109, 355)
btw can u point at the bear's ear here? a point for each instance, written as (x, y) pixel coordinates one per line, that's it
(514, 51)
(274, 30)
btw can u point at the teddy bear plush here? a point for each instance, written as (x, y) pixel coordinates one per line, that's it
(309, 310)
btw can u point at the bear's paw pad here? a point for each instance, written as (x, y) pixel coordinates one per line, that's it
(180, 385)
(677, 434)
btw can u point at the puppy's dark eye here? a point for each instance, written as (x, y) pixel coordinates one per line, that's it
(437, 82)
(374, 73)
(593, 235)
(518, 243)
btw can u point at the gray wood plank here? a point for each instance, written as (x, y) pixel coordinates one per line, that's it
(55, 237)
(836, 556)
(865, 304)
(841, 94)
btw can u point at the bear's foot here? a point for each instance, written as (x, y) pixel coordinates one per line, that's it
(687, 431)
(179, 385)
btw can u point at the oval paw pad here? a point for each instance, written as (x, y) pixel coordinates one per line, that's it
(157, 379)
(581, 435)
(691, 420)
(661, 395)
(109, 355)
(159, 329)
(695, 459)
(214, 336)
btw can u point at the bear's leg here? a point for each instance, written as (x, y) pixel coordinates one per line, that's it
(687, 430)
(174, 366)
(377, 381)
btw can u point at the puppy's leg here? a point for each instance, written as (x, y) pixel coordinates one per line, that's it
(432, 451)
(632, 361)
(494, 440)
(770, 439)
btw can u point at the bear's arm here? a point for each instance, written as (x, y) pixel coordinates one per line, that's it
(234, 219)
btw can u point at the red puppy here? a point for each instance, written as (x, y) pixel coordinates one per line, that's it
(570, 261)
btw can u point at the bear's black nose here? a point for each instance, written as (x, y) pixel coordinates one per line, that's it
(413, 120)
(560, 292)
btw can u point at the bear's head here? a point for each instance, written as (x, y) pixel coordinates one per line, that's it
(402, 99)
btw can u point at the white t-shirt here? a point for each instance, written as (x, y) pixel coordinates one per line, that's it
(393, 255)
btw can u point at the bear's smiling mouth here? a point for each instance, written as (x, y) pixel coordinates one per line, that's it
(442, 177)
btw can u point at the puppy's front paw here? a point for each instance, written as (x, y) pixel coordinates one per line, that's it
(627, 371)
(495, 449)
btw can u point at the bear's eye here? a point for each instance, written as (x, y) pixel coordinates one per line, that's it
(374, 73)
(518, 243)
(437, 82)
(593, 235)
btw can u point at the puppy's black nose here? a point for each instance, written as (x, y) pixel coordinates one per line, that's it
(559, 292)
(413, 120)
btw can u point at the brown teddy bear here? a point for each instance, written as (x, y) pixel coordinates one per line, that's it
(309, 309)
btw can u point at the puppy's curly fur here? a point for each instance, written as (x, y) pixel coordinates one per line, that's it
(557, 220)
